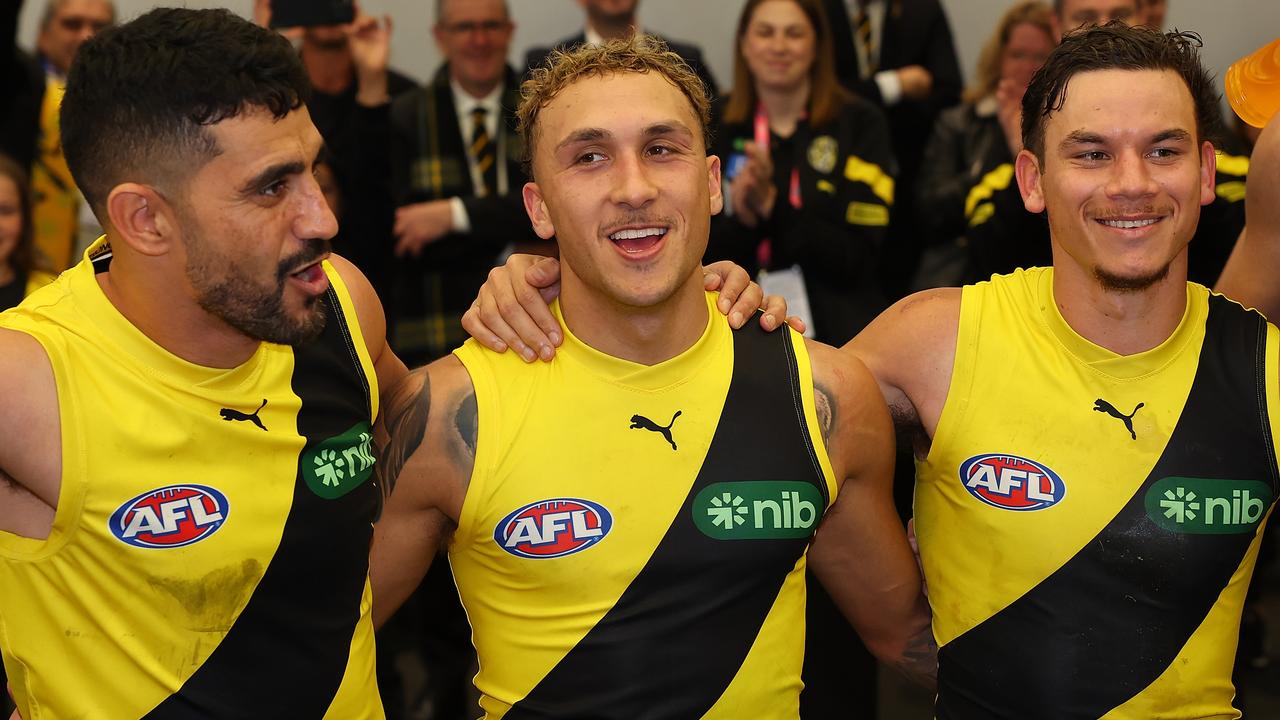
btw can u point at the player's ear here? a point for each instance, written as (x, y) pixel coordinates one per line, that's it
(1027, 168)
(713, 184)
(536, 207)
(141, 218)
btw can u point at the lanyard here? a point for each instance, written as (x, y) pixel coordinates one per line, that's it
(764, 250)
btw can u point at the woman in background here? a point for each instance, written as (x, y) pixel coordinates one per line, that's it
(20, 274)
(975, 138)
(807, 170)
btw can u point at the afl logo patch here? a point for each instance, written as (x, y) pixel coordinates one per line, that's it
(170, 517)
(1010, 482)
(553, 528)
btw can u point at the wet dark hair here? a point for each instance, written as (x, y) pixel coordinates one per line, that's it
(1117, 46)
(23, 258)
(141, 95)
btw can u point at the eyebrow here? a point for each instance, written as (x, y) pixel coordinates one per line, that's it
(278, 171)
(1175, 135)
(1081, 137)
(658, 129)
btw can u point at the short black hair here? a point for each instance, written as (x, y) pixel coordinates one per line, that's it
(141, 95)
(1118, 46)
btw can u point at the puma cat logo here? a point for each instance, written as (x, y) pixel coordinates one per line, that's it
(640, 422)
(1103, 406)
(229, 414)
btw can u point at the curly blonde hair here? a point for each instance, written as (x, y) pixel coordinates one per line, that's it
(639, 54)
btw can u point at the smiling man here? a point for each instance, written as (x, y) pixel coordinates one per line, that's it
(1095, 440)
(186, 481)
(629, 526)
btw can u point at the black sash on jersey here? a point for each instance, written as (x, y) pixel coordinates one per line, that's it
(1110, 621)
(287, 652)
(679, 633)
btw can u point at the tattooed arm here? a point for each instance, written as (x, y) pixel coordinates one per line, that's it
(860, 552)
(427, 439)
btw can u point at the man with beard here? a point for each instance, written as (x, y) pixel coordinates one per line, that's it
(186, 482)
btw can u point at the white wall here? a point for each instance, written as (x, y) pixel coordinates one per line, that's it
(1231, 28)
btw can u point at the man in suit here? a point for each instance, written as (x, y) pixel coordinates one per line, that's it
(900, 55)
(456, 177)
(616, 20)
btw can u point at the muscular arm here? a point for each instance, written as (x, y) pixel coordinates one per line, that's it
(860, 552)
(31, 453)
(1249, 276)
(427, 439)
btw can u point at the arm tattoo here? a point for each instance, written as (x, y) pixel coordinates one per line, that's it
(466, 426)
(919, 660)
(406, 411)
(826, 411)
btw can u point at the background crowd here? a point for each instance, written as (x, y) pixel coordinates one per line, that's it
(858, 165)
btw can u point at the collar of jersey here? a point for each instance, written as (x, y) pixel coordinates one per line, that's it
(1111, 363)
(151, 357)
(651, 378)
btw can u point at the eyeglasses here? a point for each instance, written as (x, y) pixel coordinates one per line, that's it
(75, 24)
(488, 27)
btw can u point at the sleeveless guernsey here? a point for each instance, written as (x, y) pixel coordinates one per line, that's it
(209, 556)
(1089, 522)
(632, 543)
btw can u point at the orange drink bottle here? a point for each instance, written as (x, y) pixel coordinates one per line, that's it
(1253, 85)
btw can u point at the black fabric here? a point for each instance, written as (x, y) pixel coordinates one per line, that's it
(692, 56)
(22, 84)
(288, 650)
(679, 633)
(1108, 622)
(12, 293)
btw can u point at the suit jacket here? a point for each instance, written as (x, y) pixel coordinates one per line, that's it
(535, 57)
(915, 32)
(22, 88)
(429, 162)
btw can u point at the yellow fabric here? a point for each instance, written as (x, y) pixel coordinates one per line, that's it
(1017, 358)
(37, 279)
(97, 628)
(56, 201)
(1233, 164)
(872, 175)
(976, 208)
(559, 429)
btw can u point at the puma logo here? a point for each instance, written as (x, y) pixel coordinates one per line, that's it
(229, 414)
(1103, 406)
(640, 422)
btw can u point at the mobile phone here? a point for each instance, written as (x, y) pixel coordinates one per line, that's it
(307, 13)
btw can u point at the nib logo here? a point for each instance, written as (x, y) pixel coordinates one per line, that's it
(759, 510)
(727, 510)
(1180, 505)
(1207, 506)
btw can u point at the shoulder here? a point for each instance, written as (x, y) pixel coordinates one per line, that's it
(372, 321)
(28, 399)
(910, 347)
(843, 378)
(850, 408)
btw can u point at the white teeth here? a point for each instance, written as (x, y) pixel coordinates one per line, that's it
(1128, 224)
(636, 234)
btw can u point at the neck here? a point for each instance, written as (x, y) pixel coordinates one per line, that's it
(330, 69)
(614, 29)
(784, 107)
(7, 273)
(477, 90)
(168, 316)
(1125, 323)
(647, 335)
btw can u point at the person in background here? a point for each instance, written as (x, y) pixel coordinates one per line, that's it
(975, 138)
(64, 223)
(1154, 12)
(20, 274)
(809, 174)
(900, 55)
(22, 86)
(616, 20)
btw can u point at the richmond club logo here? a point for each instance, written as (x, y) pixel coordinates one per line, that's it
(1010, 482)
(170, 517)
(553, 528)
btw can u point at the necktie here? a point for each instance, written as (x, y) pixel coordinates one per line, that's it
(862, 26)
(482, 152)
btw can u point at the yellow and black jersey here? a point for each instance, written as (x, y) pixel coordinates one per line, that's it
(209, 555)
(632, 543)
(1089, 522)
